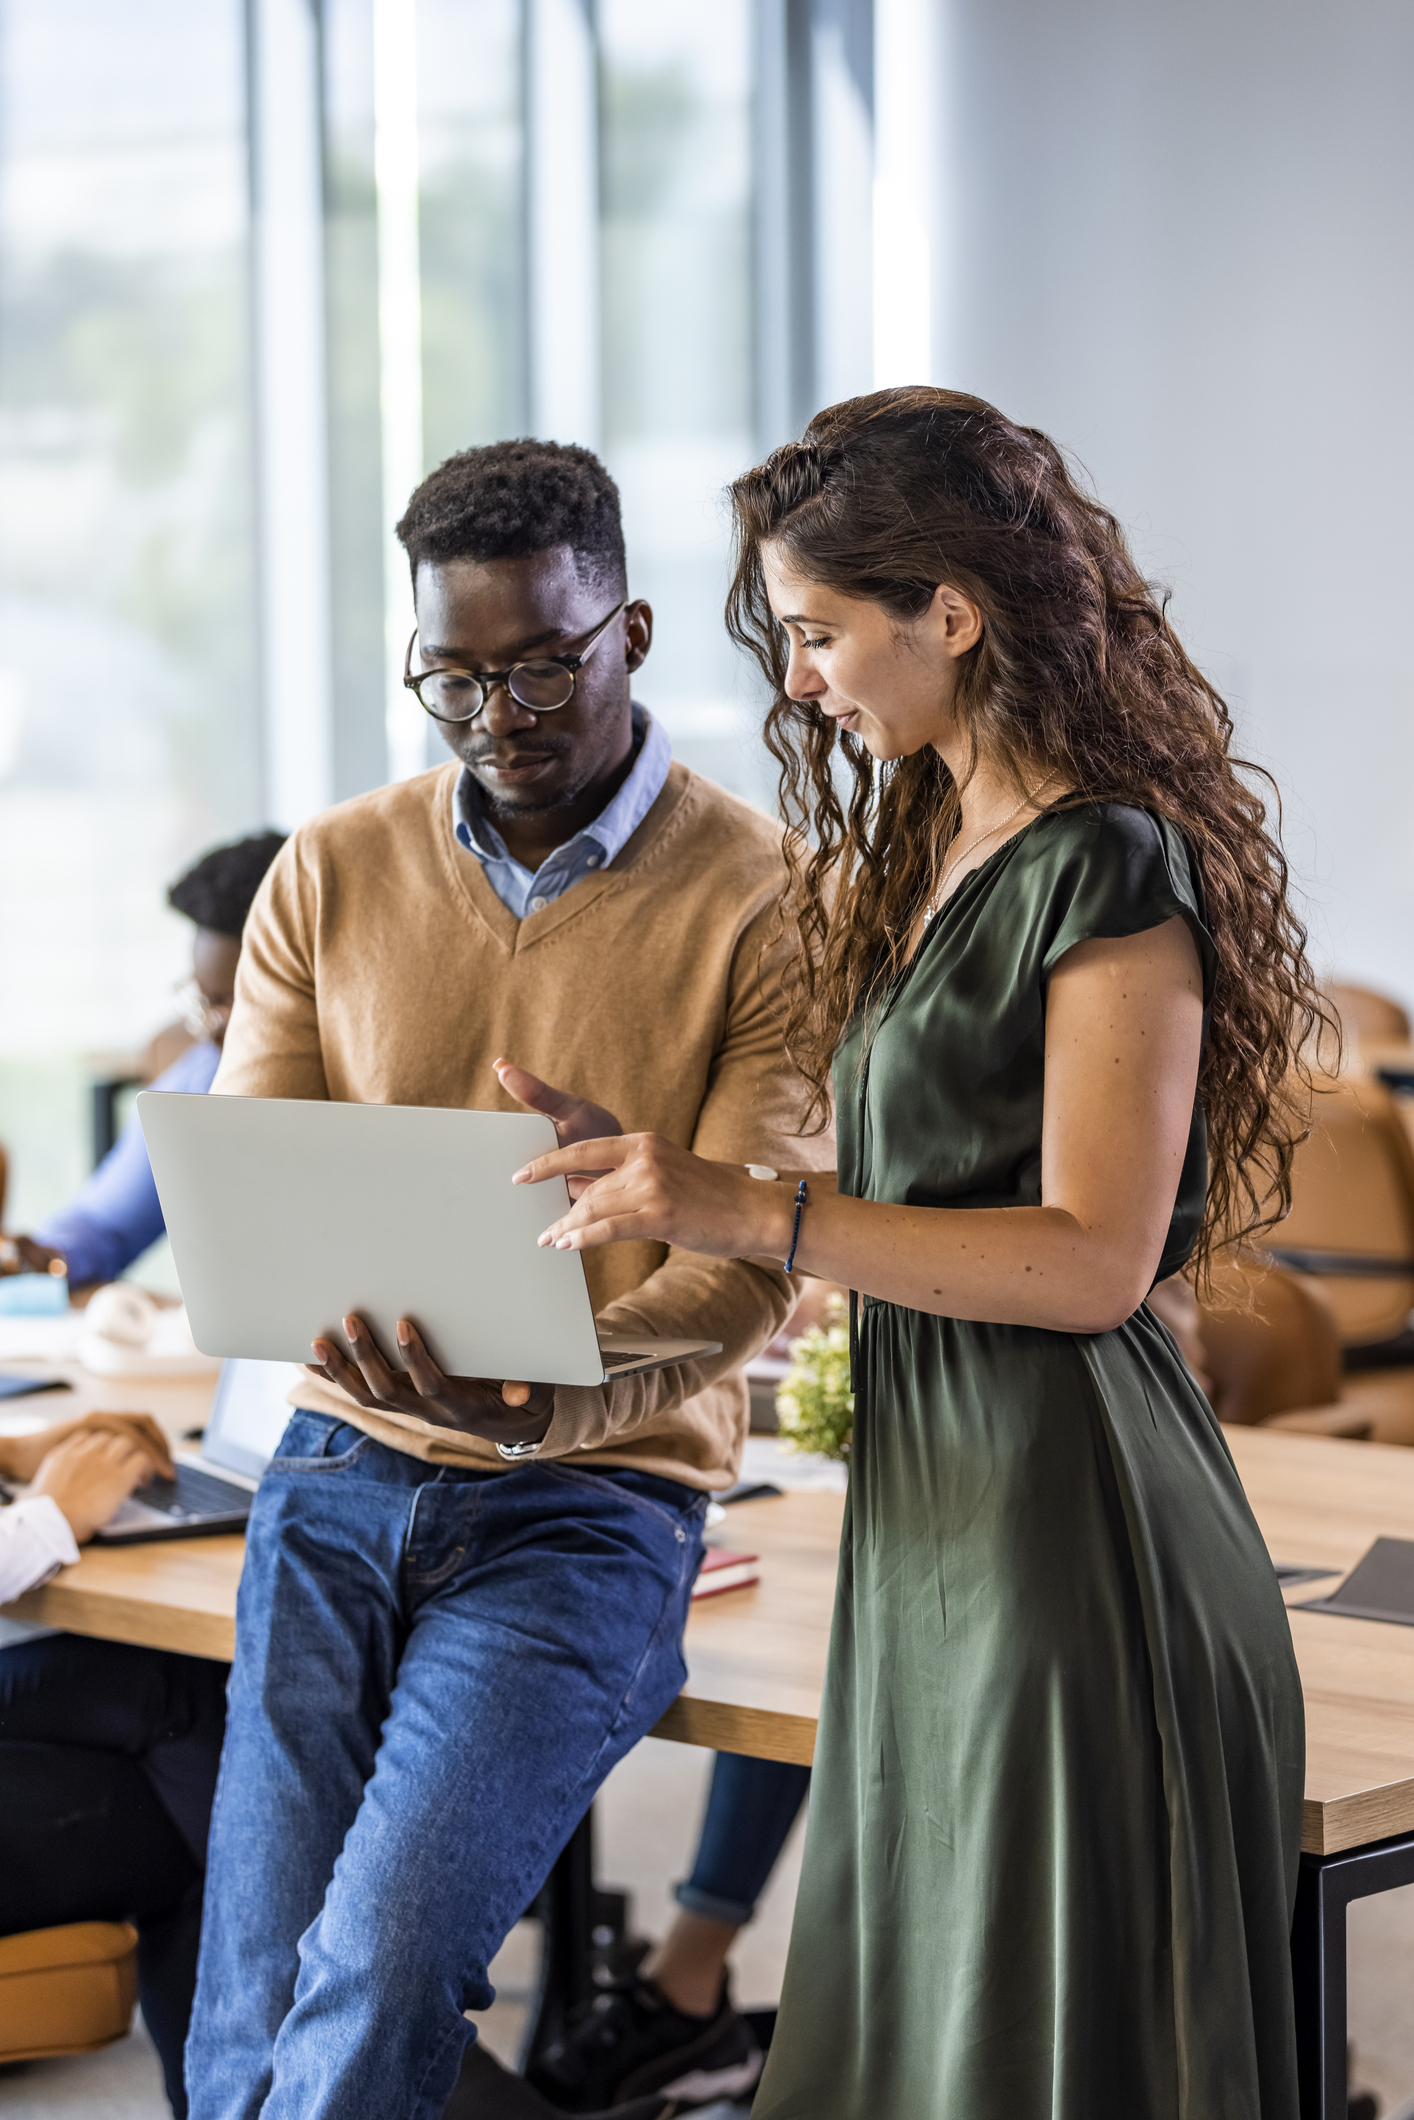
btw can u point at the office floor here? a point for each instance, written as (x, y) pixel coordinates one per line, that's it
(648, 1817)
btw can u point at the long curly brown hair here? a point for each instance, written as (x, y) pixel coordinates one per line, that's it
(1078, 673)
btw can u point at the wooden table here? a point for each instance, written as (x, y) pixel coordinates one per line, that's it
(180, 1406)
(179, 1594)
(756, 1657)
(1322, 1503)
(756, 1664)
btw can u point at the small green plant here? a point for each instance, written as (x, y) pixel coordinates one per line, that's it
(815, 1406)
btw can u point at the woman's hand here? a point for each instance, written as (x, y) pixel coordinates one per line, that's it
(653, 1191)
(92, 1474)
(574, 1118)
(21, 1455)
(502, 1413)
(23, 1255)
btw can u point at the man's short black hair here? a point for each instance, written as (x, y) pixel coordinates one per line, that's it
(217, 892)
(511, 499)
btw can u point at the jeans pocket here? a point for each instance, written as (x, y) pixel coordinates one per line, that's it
(689, 1518)
(316, 1442)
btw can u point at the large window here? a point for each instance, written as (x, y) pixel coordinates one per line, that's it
(678, 340)
(471, 249)
(262, 264)
(129, 716)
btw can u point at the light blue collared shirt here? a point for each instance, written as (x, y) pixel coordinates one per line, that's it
(590, 850)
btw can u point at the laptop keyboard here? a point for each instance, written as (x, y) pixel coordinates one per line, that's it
(193, 1494)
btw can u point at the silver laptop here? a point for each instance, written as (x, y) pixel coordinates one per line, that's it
(285, 1215)
(214, 1484)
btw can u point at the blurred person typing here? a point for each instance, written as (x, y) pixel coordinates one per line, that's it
(116, 1215)
(78, 1473)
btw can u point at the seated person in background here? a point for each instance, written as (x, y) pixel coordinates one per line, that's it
(115, 1215)
(108, 1754)
(463, 1600)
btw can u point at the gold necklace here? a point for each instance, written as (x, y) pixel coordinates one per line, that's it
(937, 898)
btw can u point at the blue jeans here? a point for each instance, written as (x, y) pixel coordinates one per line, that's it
(751, 1807)
(435, 1669)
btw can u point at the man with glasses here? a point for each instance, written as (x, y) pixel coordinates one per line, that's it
(463, 1600)
(115, 1216)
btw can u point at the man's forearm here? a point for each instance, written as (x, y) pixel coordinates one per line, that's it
(743, 1304)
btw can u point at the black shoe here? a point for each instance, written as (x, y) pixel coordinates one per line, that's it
(631, 2040)
(486, 2091)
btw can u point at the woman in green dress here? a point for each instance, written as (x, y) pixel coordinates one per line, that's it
(1045, 946)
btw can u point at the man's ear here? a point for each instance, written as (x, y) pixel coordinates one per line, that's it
(638, 634)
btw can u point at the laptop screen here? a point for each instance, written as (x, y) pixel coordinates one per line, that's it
(249, 1415)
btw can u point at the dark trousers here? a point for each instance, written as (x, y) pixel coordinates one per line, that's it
(108, 1759)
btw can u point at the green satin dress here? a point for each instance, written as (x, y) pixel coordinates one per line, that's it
(1056, 1809)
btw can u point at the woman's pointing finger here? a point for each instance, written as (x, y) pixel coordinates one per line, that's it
(609, 1153)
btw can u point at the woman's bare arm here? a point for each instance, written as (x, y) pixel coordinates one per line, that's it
(1123, 1028)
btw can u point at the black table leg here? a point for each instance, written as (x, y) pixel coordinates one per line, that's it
(565, 1908)
(1326, 1887)
(582, 1926)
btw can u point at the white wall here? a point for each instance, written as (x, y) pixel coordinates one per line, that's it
(1180, 239)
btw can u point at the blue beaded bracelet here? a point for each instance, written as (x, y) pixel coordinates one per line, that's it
(795, 1233)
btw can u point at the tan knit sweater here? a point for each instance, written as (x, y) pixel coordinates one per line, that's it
(380, 967)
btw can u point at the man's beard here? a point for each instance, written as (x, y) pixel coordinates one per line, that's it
(530, 804)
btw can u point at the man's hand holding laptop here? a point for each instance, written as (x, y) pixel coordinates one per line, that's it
(508, 1412)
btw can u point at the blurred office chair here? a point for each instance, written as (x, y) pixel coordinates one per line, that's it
(1269, 1343)
(68, 1990)
(1368, 1018)
(1272, 1357)
(1378, 1042)
(1351, 1226)
(1271, 1353)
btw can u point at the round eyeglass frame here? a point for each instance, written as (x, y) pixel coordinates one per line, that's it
(486, 681)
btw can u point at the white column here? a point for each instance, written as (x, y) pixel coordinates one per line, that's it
(562, 149)
(292, 449)
(395, 176)
(905, 162)
(843, 168)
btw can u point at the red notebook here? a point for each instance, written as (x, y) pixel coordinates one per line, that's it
(721, 1571)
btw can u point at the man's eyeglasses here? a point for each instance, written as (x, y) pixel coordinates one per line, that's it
(541, 686)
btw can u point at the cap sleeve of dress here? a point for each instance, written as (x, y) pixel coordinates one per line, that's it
(1119, 871)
